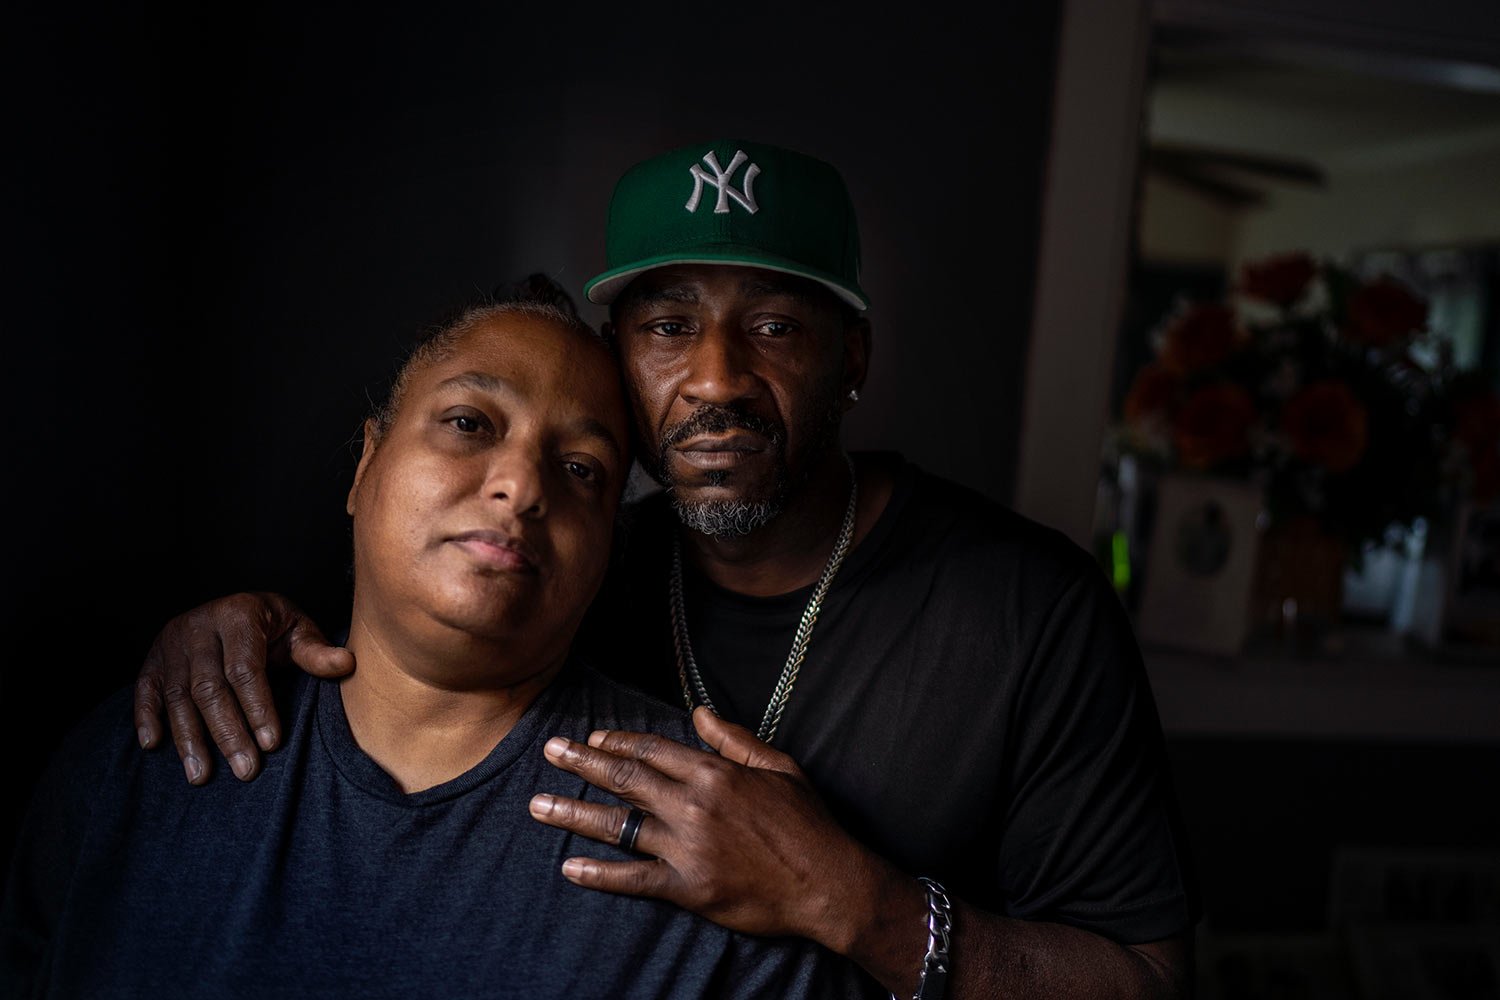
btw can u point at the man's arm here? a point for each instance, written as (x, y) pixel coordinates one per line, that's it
(208, 666)
(742, 839)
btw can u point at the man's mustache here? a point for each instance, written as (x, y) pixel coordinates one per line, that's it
(711, 418)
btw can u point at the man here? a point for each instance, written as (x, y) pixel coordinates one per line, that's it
(959, 685)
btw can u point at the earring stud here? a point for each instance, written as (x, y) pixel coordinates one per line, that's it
(853, 395)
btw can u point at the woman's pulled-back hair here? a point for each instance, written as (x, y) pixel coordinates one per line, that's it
(535, 295)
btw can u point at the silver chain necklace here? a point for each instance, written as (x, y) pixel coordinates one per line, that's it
(693, 691)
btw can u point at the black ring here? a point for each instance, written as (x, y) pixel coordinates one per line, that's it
(631, 829)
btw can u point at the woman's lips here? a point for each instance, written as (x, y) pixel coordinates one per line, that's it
(499, 550)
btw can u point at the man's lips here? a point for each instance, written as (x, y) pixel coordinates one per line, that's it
(733, 441)
(498, 550)
(720, 451)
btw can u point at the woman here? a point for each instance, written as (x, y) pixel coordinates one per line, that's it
(387, 849)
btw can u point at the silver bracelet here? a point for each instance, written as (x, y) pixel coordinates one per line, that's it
(933, 983)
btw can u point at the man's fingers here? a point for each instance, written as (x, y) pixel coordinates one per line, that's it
(650, 877)
(148, 700)
(255, 630)
(632, 780)
(244, 649)
(207, 668)
(675, 760)
(312, 651)
(738, 744)
(218, 703)
(183, 717)
(592, 820)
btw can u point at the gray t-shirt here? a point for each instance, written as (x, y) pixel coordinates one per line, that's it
(322, 879)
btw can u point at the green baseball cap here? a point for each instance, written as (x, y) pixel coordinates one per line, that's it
(732, 202)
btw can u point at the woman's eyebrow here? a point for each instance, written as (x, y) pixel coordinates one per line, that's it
(591, 428)
(486, 382)
(483, 381)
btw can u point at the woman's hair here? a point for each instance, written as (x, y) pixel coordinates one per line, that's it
(535, 295)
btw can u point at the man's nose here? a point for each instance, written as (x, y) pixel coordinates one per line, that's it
(518, 480)
(720, 369)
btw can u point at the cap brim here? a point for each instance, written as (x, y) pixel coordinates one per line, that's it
(604, 288)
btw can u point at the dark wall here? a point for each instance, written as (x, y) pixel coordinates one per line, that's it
(224, 230)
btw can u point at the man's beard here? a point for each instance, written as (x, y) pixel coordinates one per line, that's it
(736, 518)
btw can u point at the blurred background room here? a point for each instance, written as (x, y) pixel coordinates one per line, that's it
(1299, 496)
(1211, 286)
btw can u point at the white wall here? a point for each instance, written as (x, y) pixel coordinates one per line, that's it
(1451, 201)
(1090, 189)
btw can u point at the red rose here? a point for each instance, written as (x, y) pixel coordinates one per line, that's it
(1200, 338)
(1150, 394)
(1327, 425)
(1384, 312)
(1213, 425)
(1281, 279)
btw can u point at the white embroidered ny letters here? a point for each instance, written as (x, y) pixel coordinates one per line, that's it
(721, 177)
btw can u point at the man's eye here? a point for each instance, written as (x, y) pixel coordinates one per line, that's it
(668, 328)
(773, 328)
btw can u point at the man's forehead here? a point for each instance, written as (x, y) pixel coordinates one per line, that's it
(691, 283)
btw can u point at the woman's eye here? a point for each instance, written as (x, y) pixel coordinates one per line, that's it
(467, 423)
(581, 470)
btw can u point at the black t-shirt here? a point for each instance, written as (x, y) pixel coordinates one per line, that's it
(321, 878)
(973, 703)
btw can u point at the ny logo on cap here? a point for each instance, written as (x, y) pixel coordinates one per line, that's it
(720, 179)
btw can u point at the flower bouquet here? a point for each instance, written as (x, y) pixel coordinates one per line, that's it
(1327, 391)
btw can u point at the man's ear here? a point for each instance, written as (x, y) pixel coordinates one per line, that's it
(857, 343)
(371, 435)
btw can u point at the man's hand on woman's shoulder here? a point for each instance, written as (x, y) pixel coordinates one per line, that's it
(207, 667)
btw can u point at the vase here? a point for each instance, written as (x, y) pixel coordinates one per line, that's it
(1299, 584)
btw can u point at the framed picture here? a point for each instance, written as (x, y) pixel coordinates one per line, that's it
(1472, 610)
(1200, 564)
